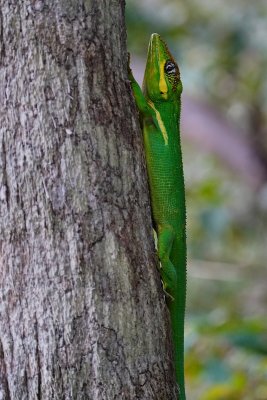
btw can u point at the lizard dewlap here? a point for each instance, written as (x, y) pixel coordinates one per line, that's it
(159, 104)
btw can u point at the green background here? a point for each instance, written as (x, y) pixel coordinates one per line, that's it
(221, 48)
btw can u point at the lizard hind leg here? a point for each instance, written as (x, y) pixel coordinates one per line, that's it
(166, 237)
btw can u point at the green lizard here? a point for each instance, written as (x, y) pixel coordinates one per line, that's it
(159, 107)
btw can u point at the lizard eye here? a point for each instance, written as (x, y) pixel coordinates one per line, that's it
(170, 67)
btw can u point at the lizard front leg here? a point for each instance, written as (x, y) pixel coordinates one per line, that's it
(141, 102)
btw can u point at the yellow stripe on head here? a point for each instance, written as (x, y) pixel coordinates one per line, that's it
(162, 80)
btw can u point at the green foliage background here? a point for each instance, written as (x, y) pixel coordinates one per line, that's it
(221, 48)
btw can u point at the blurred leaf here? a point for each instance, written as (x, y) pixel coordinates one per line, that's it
(252, 342)
(233, 390)
(217, 370)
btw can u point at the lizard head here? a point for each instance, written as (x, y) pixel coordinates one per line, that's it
(162, 76)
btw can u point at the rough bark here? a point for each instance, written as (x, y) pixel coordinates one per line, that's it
(82, 313)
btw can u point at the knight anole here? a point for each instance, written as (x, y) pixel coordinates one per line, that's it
(159, 108)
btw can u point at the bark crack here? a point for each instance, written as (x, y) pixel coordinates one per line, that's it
(38, 361)
(3, 374)
(5, 179)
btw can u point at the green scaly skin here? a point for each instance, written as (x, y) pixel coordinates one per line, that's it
(159, 107)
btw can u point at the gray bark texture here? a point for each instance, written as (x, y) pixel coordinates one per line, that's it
(82, 311)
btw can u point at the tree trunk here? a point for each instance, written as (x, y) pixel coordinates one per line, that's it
(82, 311)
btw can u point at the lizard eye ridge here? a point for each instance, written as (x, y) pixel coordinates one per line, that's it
(170, 68)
